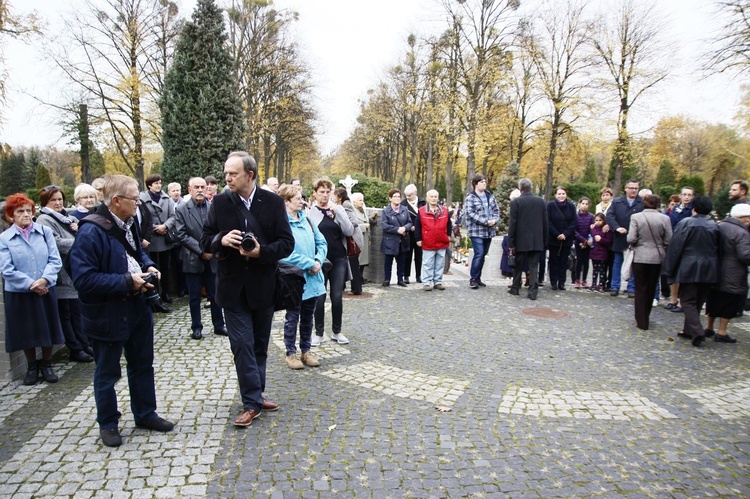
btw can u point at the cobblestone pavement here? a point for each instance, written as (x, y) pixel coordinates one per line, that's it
(581, 406)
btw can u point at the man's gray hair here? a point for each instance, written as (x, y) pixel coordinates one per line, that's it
(248, 162)
(115, 185)
(410, 189)
(524, 185)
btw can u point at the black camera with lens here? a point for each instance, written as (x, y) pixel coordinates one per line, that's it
(248, 242)
(152, 293)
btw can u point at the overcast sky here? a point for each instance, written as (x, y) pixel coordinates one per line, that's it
(350, 43)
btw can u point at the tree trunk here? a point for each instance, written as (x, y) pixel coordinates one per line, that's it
(430, 148)
(83, 137)
(552, 154)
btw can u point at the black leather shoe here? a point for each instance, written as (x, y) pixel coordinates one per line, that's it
(111, 437)
(89, 350)
(32, 374)
(45, 367)
(386, 284)
(419, 280)
(708, 333)
(684, 336)
(696, 342)
(197, 334)
(512, 291)
(532, 297)
(166, 298)
(402, 283)
(156, 423)
(473, 284)
(553, 287)
(561, 287)
(221, 331)
(80, 356)
(406, 280)
(724, 338)
(481, 284)
(159, 307)
(614, 293)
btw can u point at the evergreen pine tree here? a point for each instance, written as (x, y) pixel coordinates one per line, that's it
(665, 175)
(12, 176)
(32, 161)
(202, 119)
(589, 174)
(508, 182)
(42, 177)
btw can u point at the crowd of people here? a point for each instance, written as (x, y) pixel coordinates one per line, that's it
(92, 276)
(681, 252)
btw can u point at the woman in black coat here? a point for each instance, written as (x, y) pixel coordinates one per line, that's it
(562, 221)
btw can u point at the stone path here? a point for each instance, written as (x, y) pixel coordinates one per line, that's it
(580, 406)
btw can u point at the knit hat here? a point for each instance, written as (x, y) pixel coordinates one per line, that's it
(740, 210)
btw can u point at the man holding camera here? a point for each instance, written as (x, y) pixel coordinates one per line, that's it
(248, 229)
(114, 278)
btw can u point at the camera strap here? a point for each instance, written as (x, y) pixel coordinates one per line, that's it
(113, 230)
(249, 218)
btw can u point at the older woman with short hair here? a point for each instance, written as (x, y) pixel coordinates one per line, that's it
(310, 249)
(30, 263)
(85, 197)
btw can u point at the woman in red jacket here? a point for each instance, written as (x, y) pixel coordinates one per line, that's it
(432, 233)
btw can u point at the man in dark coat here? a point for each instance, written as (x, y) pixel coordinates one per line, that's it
(198, 266)
(692, 260)
(246, 278)
(618, 219)
(527, 236)
(413, 203)
(108, 267)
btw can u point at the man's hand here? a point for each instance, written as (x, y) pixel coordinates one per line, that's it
(419, 243)
(561, 237)
(145, 244)
(207, 256)
(491, 223)
(605, 229)
(39, 287)
(232, 239)
(622, 230)
(139, 283)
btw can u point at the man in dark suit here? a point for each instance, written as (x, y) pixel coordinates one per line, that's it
(413, 203)
(246, 274)
(618, 219)
(527, 236)
(198, 266)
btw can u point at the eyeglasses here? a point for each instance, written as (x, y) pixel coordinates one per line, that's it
(136, 199)
(51, 187)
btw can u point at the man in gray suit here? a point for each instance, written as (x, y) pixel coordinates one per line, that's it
(199, 267)
(527, 236)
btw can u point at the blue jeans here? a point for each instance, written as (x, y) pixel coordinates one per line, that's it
(400, 264)
(139, 354)
(337, 278)
(617, 271)
(433, 263)
(249, 334)
(302, 315)
(193, 282)
(481, 247)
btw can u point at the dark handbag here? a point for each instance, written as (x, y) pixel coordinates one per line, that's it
(290, 284)
(511, 260)
(351, 247)
(170, 237)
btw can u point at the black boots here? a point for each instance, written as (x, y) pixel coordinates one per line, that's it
(32, 374)
(48, 374)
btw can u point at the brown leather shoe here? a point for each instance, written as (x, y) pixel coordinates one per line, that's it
(246, 418)
(270, 406)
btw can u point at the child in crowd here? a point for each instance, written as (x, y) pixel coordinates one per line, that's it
(599, 251)
(583, 242)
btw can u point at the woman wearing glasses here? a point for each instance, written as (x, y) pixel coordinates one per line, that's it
(85, 196)
(30, 262)
(64, 229)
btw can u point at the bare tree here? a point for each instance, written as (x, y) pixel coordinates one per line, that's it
(731, 47)
(631, 49)
(484, 32)
(561, 60)
(13, 25)
(111, 50)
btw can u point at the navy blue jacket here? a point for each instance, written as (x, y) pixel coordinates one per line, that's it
(618, 215)
(393, 243)
(99, 269)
